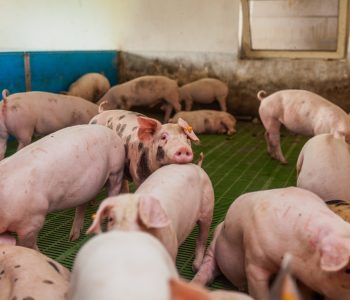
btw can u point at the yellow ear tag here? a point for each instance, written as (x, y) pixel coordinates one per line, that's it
(93, 216)
(189, 129)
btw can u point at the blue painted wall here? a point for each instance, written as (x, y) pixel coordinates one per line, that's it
(55, 71)
(12, 72)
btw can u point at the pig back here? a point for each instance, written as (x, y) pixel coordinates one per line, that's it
(180, 189)
(71, 164)
(118, 262)
(324, 167)
(48, 112)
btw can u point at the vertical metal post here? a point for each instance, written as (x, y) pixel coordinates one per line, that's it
(27, 73)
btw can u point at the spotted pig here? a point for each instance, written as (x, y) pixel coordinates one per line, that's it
(148, 144)
(38, 113)
(28, 274)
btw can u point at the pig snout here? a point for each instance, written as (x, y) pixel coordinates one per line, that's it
(183, 155)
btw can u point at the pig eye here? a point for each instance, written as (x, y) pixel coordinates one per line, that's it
(164, 137)
(110, 220)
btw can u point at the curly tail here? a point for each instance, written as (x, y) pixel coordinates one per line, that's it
(5, 93)
(200, 160)
(261, 95)
(100, 107)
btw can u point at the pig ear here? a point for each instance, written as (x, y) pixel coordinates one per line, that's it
(147, 128)
(187, 129)
(334, 255)
(151, 213)
(101, 213)
(180, 290)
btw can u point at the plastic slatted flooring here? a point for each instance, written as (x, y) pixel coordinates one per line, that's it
(236, 165)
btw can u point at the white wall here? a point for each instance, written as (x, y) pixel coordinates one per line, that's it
(129, 25)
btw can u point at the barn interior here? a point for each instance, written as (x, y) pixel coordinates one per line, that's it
(251, 45)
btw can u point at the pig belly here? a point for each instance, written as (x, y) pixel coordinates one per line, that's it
(204, 96)
(74, 193)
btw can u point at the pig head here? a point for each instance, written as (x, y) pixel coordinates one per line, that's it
(134, 212)
(158, 145)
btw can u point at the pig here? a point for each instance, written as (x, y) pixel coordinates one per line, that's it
(144, 91)
(123, 265)
(148, 144)
(301, 112)
(167, 204)
(208, 121)
(341, 208)
(39, 113)
(204, 91)
(323, 167)
(63, 170)
(260, 227)
(91, 86)
(28, 274)
(133, 266)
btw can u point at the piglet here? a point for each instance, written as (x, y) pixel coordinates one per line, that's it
(323, 167)
(204, 91)
(167, 204)
(132, 266)
(207, 121)
(260, 227)
(91, 86)
(301, 112)
(143, 91)
(28, 274)
(122, 265)
(148, 144)
(39, 113)
(63, 170)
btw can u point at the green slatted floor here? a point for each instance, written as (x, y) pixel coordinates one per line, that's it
(235, 165)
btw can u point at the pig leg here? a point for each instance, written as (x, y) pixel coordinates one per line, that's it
(125, 187)
(204, 223)
(258, 282)
(222, 103)
(115, 183)
(188, 104)
(24, 139)
(272, 137)
(27, 235)
(3, 144)
(78, 222)
(209, 269)
(168, 109)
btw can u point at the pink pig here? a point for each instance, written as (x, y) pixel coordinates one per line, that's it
(90, 86)
(205, 91)
(323, 167)
(28, 274)
(144, 91)
(301, 112)
(260, 227)
(63, 170)
(168, 204)
(38, 113)
(132, 266)
(148, 144)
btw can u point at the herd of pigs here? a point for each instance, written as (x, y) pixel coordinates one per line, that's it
(289, 243)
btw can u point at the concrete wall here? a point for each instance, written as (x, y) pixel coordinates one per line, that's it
(182, 39)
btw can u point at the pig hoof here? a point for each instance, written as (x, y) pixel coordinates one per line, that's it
(195, 266)
(74, 236)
